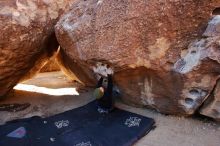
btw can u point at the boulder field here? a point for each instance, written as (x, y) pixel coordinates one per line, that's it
(165, 54)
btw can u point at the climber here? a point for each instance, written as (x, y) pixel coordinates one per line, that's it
(103, 91)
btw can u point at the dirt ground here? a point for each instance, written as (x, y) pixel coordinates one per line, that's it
(47, 97)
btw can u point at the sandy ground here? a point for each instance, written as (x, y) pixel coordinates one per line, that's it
(169, 131)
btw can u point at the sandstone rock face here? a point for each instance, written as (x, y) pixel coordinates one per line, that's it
(147, 45)
(27, 38)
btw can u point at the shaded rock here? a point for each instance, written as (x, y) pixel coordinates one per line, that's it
(216, 11)
(14, 107)
(75, 70)
(200, 68)
(27, 38)
(146, 43)
(211, 107)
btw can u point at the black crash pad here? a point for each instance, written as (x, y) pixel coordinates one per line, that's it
(82, 126)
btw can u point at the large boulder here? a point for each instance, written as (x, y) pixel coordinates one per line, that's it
(147, 45)
(27, 38)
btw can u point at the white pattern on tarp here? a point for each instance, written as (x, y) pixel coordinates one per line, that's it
(88, 143)
(52, 139)
(61, 124)
(133, 121)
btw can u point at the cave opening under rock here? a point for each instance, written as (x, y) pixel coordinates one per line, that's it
(46, 94)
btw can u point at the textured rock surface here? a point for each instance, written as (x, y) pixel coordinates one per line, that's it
(27, 38)
(147, 44)
(211, 107)
(52, 64)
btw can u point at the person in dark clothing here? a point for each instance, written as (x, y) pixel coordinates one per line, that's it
(105, 103)
(103, 92)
